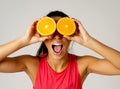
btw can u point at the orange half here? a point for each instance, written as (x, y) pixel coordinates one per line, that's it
(46, 26)
(66, 26)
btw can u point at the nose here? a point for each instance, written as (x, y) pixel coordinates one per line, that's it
(57, 35)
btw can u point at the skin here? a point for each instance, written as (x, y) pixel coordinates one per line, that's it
(109, 65)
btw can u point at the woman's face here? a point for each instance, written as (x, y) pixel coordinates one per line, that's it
(57, 45)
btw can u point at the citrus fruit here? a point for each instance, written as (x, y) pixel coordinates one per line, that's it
(46, 26)
(66, 26)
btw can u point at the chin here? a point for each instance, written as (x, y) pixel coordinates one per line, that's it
(59, 55)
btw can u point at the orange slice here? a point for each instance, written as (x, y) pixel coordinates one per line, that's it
(66, 26)
(46, 26)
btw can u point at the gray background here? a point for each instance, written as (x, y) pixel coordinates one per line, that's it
(100, 18)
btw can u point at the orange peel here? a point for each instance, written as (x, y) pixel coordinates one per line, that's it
(46, 26)
(66, 26)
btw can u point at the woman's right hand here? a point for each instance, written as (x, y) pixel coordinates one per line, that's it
(32, 36)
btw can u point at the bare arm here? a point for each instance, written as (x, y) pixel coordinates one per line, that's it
(100, 66)
(15, 64)
(111, 56)
(8, 64)
(108, 53)
(11, 47)
(30, 37)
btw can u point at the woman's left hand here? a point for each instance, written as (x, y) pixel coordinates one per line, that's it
(81, 36)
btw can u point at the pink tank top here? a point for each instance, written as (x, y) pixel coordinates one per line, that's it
(47, 78)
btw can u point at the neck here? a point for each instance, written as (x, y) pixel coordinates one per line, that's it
(58, 65)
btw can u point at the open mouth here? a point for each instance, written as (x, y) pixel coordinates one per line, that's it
(57, 48)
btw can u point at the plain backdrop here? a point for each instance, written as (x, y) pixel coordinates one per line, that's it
(101, 18)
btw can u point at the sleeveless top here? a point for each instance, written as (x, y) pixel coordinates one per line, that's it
(47, 78)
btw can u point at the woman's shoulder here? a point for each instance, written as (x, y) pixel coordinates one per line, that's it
(86, 60)
(28, 59)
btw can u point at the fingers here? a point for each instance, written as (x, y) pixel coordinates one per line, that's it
(43, 38)
(81, 28)
(33, 25)
(79, 24)
(32, 28)
(68, 37)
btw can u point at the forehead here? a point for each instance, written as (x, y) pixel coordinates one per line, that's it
(56, 18)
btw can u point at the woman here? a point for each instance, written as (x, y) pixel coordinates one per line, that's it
(54, 67)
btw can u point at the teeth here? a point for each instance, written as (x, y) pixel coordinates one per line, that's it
(57, 44)
(57, 47)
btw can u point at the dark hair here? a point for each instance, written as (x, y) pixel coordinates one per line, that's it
(43, 49)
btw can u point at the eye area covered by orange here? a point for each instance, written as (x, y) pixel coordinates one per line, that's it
(47, 26)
